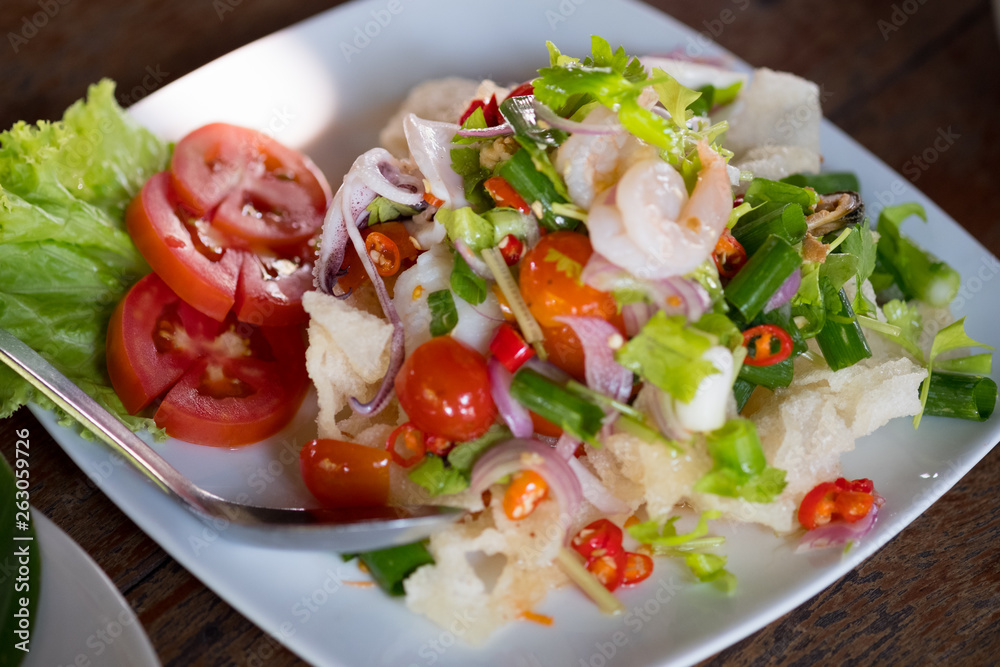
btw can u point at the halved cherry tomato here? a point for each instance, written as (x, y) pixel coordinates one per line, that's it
(840, 499)
(729, 255)
(525, 491)
(760, 343)
(223, 383)
(345, 474)
(551, 286)
(444, 388)
(250, 186)
(505, 195)
(637, 568)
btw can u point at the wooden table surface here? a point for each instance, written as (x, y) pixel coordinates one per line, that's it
(896, 76)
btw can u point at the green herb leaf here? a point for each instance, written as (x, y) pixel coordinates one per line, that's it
(385, 210)
(438, 479)
(466, 284)
(675, 97)
(466, 225)
(918, 273)
(907, 318)
(952, 337)
(444, 316)
(464, 455)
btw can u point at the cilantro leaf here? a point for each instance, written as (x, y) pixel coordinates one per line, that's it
(907, 317)
(675, 97)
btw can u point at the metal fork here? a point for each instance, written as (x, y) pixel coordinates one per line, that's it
(342, 530)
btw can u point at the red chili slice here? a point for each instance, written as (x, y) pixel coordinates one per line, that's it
(729, 255)
(760, 340)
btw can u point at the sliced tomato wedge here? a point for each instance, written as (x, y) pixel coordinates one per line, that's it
(223, 383)
(249, 185)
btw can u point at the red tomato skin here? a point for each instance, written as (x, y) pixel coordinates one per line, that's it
(280, 385)
(157, 345)
(271, 301)
(345, 474)
(240, 176)
(165, 243)
(444, 388)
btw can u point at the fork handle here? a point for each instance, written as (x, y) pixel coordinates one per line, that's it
(60, 389)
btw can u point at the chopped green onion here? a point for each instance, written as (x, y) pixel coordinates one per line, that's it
(534, 187)
(971, 397)
(444, 316)
(389, 567)
(775, 375)
(578, 417)
(742, 390)
(842, 341)
(778, 218)
(762, 275)
(572, 564)
(640, 429)
(824, 184)
(740, 469)
(583, 391)
(520, 113)
(919, 274)
(878, 326)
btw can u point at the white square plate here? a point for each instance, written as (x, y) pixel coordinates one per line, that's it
(326, 86)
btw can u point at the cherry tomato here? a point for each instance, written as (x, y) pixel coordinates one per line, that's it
(760, 341)
(345, 474)
(637, 568)
(444, 388)
(223, 383)
(249, 185)
(551, 286)
(525, 491)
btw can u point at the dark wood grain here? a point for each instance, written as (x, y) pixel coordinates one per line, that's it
(931, 595)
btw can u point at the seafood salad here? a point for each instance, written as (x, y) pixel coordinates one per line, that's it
(581, 303)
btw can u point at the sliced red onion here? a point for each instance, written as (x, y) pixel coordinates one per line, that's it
(666, 420)
(785, 292)
(595, 492)
(379, 170)
(603, 373)
(495, 131)
(838, 533)
(397, 348)
(566, 125)
(475, 263)
(566, 446)
(515, 415)
(635, 316)
(527, 454)
(429, 143)
(675, 295)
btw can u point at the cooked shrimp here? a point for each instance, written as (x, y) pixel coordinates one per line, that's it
(649, 225)
(590, 163)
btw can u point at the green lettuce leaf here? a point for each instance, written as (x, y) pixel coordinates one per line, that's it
(466, 225)
(439, 480)
(668, 353)
(385, 210)
(65, 257)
